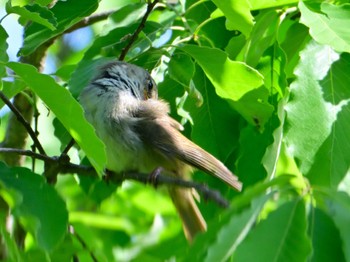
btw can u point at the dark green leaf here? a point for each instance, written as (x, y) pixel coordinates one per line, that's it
(66, 109)
(36, 204)
(3, 51)
(326, 242)
(67, 14)
(34, 13)
(281, 237)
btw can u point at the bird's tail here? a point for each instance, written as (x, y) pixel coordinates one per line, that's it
(192, 219)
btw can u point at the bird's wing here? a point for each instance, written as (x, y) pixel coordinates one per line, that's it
(158, 131)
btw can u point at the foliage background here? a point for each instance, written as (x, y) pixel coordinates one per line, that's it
(262, 85)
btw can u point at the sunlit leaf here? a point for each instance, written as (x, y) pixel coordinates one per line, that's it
(237, 14)
(330, 24)
(37, 205)
(231, 79)
(312, 128)
(66, 109)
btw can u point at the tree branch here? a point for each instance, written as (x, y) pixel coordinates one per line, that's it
(63, 165)
(22, 120)
(125, 50)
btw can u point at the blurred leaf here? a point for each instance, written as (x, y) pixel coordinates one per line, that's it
(338, 207)
(306, 96)
(284, 232)
(36, 204)
(66, 109)
(231, 79)
(34, 13)
(61, 133)
(231, 234)
(239, 218)
(237, 11)
(262, 37)
(215, 117)
(329, 24)
(11, 89)
(9, 245)
(67, 14)
(181, 68)
(326, 242)
(65, 72)
(84, 72)
(261, 4)
(128, 14)
(292, 31)
(3, 51)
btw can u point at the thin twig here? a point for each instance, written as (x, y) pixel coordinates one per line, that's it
(125, 50)
(63, 166)
(24, 152)
(87, 21)
(68, 146)
(26, 125)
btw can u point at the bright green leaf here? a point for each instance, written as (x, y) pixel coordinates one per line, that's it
(237, 14)
(309, 117)
(280, 237)
(66, 109)
(231, 79)
(261, 38)
(261, 4)
(330, 25)
(181, 68)
(34, 13)
(11, 89)
(37, 205)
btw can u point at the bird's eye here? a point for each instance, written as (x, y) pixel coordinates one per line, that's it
(150, 85)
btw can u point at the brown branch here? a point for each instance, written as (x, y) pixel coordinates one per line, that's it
(22, 120)
(87, 21)
(125, 50)
(63, 166)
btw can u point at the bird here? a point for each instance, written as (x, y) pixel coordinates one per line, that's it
(122, 104)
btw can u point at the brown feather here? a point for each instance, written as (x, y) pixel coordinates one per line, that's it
(158, 130)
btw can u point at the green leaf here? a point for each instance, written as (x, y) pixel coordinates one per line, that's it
(11, 89)
(36, 204)
(128, 14)
(34, 13)
(3, 50)
(66, 109)
(307, 132)
(326, 241)
(338, 207)
(216, 117)
(262, 37)
(281, 237)
(262, 4)
(231, 234)
(236, 11)
(67, 14)
(231, 79)
(181, 69)
(329, 24)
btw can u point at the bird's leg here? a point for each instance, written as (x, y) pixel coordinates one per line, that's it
(153, 176)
